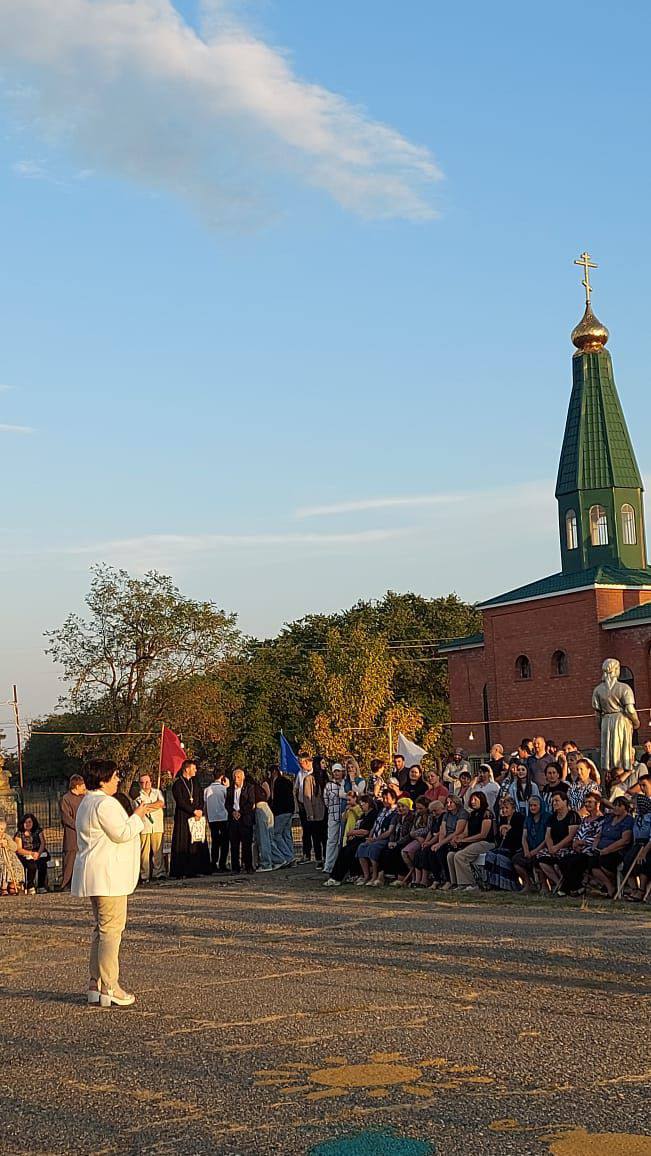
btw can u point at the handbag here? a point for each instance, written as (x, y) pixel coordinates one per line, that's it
(197, 829)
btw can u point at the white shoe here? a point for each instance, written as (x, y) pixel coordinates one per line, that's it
(31, 891)
(265, 869)
(106, 998)
(332, 883)
(93, 996)
(361, 882)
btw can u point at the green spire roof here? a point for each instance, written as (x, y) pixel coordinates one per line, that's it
(597, 453)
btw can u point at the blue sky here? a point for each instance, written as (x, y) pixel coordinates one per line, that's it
(287, 291)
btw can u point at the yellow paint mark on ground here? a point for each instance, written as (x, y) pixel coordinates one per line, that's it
(581, 1143)
(365, 1075)
(507, 1125)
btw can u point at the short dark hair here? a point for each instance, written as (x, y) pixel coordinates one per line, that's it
(623, 800)
(75, 781)
(376, 764)
(390, 791)
(187, 763)
(304, 755)
(99, 771)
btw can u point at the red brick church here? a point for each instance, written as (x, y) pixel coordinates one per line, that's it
(542, 645)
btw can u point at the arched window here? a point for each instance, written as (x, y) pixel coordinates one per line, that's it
(559, 663)
(598, 526)
(629, 532)
(626, 675)
(571, 530)
(522, 667)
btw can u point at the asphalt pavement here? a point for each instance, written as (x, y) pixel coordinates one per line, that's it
(278, 1017)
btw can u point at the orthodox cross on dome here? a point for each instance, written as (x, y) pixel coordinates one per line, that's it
(587, 264)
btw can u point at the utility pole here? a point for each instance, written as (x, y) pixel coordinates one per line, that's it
(18, 741)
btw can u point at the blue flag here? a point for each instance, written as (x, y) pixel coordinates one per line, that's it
(288, 762)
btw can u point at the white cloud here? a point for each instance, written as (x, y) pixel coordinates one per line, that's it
(204, 543)
(135, 91)
(18, 429)
(502, 498)
(29, 170)
(379, 504)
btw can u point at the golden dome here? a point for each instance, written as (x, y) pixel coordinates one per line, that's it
(589, 335)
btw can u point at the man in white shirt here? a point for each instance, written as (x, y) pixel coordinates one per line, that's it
(151, 838)
(214, 798)
(454, 767)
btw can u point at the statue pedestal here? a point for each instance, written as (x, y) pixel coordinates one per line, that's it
(9, 807)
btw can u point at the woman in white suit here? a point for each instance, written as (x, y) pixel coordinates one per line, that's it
(106, 871)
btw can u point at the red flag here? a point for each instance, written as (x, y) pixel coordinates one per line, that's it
(172, 755)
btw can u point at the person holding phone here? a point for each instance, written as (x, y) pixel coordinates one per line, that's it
(106, 871)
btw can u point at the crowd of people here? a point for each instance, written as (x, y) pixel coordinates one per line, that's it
(541, 819)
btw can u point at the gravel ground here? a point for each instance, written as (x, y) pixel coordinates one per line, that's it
(276, 1017)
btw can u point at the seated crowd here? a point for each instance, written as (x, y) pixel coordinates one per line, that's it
(540, 820)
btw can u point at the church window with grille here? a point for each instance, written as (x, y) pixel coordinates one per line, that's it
(629, 532)
(522, 667)
(598, 526)
(559, 663)
(571, 530)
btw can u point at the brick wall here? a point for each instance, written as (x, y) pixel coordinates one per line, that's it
(537, 629)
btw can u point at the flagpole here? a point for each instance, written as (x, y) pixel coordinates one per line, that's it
(160, 754)
(390, 745)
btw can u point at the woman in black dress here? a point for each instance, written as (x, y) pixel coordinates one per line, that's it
(187, 858)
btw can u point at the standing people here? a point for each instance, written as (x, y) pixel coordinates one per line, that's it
(376, 780)
(214, 801)
(313, 788)
(455, 767)
(400, 771)
(68, 806)
(268, 853)
(240, 805)
(282, 805)
(538, 762)
(353, 779)
(306, 768)
(189, 856)
(334, 798)
(106, 871)
(151, 840)
(309, 797)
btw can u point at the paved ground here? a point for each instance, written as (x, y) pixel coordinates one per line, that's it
(274, 1016)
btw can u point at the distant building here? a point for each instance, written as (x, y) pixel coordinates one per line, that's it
(542, 645)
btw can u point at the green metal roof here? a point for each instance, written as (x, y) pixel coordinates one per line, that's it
(466, 643)
(633, 617)
(562, 582)
(597, 452)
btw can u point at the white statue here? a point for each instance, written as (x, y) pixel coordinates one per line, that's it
(614, 704)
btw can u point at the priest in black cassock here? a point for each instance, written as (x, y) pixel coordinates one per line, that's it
(187, 858)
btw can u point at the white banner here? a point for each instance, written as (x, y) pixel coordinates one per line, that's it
(411, 752)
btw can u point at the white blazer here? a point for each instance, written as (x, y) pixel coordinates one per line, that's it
(108, 847)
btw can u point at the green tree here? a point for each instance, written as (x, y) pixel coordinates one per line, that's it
(46, 758)
(353, 679)
(144, 653)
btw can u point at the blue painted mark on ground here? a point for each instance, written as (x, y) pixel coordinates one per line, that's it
(373, 1144)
